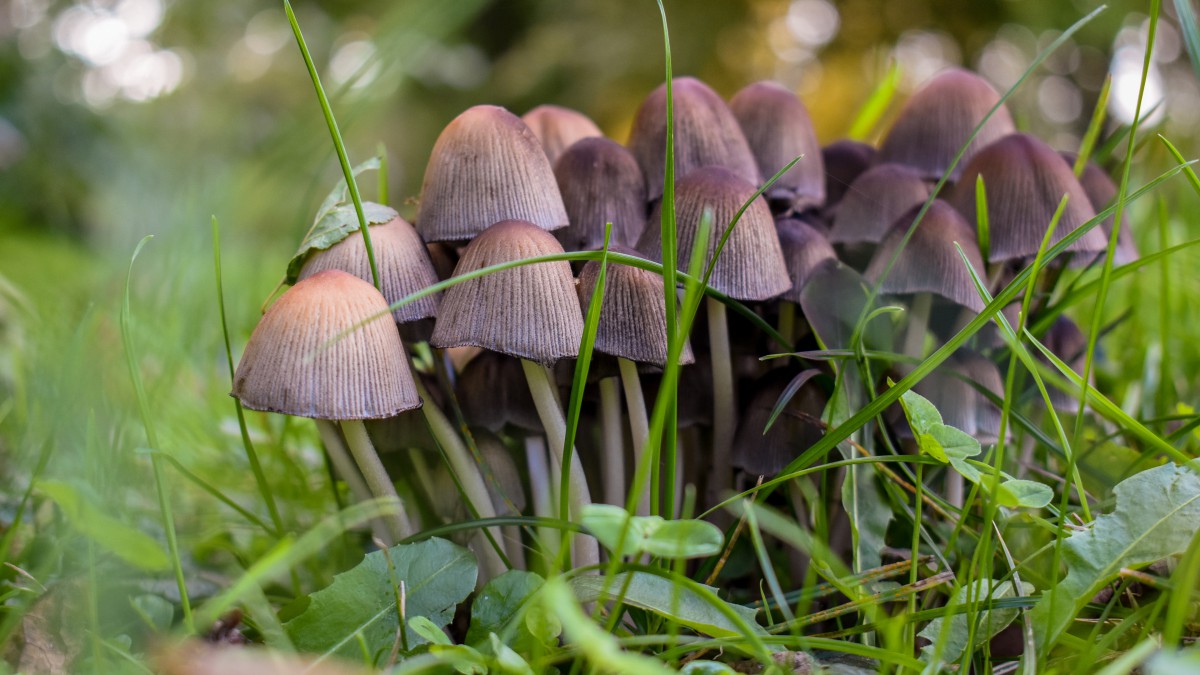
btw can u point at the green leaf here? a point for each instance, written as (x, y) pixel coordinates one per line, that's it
(332, 226)
(361, 603)
(507, 661)
(1025, 494)
(949, 636)
(953, 443)
(706, 668)
(673, 539)
(115, 536)
(429, 631)
(1155, 517)
(499, 601)
(921, 414)
(659, 595)
(155, 611)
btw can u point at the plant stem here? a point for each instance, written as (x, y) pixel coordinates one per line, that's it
(586, 550)
(720, 478)
(335, 448)
(376, 476)
(918, 323)
(614, 446)
(539, 490)
(639, 424)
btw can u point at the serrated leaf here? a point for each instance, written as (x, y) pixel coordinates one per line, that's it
(334, 225)
(437, 575)
(1155, 516)
(1026, 494)
(113, 535)
(949, 641)
(674, 539)
(499, 601)
(659, 595)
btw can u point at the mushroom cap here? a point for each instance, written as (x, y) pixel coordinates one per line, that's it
(487, 166)
(937, 120)
(796, 429)
(778, 128)
(633, 312)
(401, 257)
(1024, 180)
(706, 133)
(530, 311)
(1101, 192)
(844, 161)
(930, 262)
(751, 266)
(493, 393)
(558, 128)
(322, 351)
(874, 201)
(600, 182)
(804, 247)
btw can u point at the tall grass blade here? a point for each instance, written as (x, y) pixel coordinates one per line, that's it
(1186, 13)
(867, 119)
(1094, 127)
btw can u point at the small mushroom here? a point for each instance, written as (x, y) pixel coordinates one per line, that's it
(558, 128)
(601, 183)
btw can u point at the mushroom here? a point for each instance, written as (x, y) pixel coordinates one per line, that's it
(558, 128)
(804, 247)
(778, 128)
(601, 183)
(844, 161)
(872, 203)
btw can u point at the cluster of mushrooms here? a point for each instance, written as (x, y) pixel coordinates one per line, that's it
(802, 256)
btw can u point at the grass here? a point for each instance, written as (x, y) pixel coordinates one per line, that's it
(244, 506)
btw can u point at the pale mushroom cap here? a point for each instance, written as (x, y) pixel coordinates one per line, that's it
(804, 247)
(939, 118)
(874, 201)
(930, 263)
(706, 133)
(1024, 180)
(751, 266)
(633, 313)
(400, 256)
(778, 128)
(487, 166)
(558, 128)
(600, 182)
(327, 349)
(531, 311)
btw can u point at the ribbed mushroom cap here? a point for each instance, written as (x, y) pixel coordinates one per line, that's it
(778, 128)
(530, 311)
(558, 128)
(493, 393)
(874, 201)
(600, 182)
(633, 313)
(312, 355)
(844, 161)
(751, 265)
(1102, 192)
(706, 133)
(401, 257)
(796, 429)
(832, 302)
(930, 263)
(1024, 180)
(487, 166)
(939, 118)
(804, 247)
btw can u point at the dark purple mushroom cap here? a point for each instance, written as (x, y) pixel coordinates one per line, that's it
(558, 128)
(804, 247)
(778, 128)
(493, 393)
(874, 201)
(844, 161)
(1024, 180)
(930, 263)
(938, 119)
(487, 166)
(796, 429)
(706, 133)
(1102, 192)
(530, 311)
(327, 349)
(600, 182)
(751, 266)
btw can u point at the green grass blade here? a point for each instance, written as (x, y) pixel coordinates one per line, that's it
(1094, 127)
(867, 119)
(1191, 31)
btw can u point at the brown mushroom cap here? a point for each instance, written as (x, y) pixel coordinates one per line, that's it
(600, 182)
(487, 166)
(778, 128)
(874, 201)
(751, 266)
(706, 133)
(493, 393)
(804, 247)
(558, 128)
(530, 311)
(633, 313)
(1024, 180)
(939, 118)
(930, 263)
(1102, 192)
(322, 351)
(401, 257)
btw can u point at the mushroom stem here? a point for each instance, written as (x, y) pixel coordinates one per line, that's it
(339, 456)
(639, 423)
(539, 489)
(954, 488)
(376, 476)
(587, 551)
(724, 411)
(918, 323)
(614, 437)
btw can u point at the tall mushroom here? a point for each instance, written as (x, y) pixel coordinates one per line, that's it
(778, 128)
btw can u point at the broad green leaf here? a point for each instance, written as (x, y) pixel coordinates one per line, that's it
(651, 534)
(953, 443)
(155, 611)
(431, 632)
(921, 414)
(676, 539)
(115, 536)
(437, 575)
(499, 601)
(1026, 494)
(1155, 516)
(949, 640)
(659, 595)
(332, 226)
(340, 194)
(507, 661)
(706, 668)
